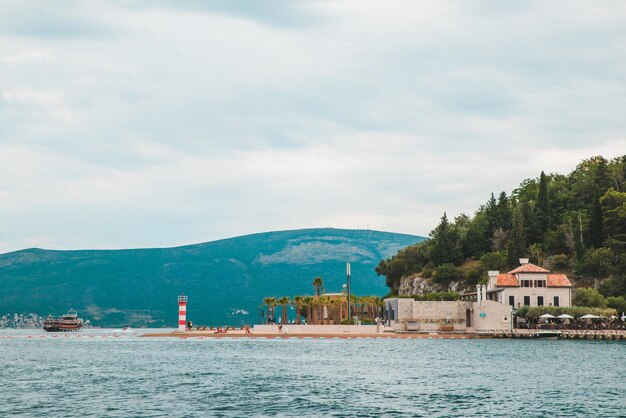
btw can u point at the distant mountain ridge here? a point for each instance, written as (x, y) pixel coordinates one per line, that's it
(225, 279)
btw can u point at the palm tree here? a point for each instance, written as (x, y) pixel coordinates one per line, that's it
(284, 301)
(272, 306)
(268, 303)
(378, 304)
(317, 284)
(365, 306)
(340, 308)
(323, 302)
(307, 301)
(298, 302)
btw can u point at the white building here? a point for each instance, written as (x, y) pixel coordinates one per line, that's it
(530, 285)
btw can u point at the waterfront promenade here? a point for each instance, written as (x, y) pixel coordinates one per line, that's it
(346, 331)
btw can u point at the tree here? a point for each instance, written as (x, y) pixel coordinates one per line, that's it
(579, 245)
(494, 261)
(529, 221)
(543, 205)
(516, 248)
(268, 302)
(283, 302)
(445, 243)
(271, 303)
(307, 302)
(597, 234)
(617, 302)
(491, 212)
(298, 302)
(596, 263)
(499, 239)
(601, 176)
(613, 205)
(475, 240)
(445, 273)
(589, 297)
(318, 283)
(617, 172)
(503, 210)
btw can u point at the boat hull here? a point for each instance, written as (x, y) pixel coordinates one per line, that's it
(62, 328)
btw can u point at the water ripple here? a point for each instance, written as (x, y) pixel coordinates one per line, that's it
(79, 377)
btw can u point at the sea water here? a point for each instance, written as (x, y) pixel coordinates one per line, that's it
(111, 373)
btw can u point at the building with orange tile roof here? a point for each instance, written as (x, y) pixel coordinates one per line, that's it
(530, 285)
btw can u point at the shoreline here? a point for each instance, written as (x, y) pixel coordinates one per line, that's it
(607, 335)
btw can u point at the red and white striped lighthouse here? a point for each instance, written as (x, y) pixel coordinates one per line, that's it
(182, 312)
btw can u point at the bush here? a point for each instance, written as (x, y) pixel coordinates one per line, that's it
(561, 262)
(596, 263)
(494, 261)
(618, 303)
(473, 276)
(589, 297)
(533, 313)
(427, 272)
(445, 273)
(613, 286)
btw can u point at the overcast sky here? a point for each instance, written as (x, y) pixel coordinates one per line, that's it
(142, 124)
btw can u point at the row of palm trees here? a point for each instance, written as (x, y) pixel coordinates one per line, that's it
(325, 308)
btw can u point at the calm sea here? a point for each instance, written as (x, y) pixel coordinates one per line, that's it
(107, 373)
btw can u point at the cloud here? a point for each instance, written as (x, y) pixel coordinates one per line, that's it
(153, 124)
(54, 20)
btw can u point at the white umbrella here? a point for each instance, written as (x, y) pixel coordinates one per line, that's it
(590, 316)
(565, 316)
(547, 316)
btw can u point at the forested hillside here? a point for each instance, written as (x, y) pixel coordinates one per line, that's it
(226, 280)
(574, 223)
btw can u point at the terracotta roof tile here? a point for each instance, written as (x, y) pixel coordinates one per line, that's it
(506, 279)
(528, 268)
(558, 280)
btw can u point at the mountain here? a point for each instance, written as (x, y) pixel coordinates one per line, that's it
(225, 280)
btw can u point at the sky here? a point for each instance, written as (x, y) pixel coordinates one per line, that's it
(129, 124)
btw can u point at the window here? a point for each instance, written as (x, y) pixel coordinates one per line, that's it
(540, 283)
(512, 301)
(556, 301)
(526, 300)
(527, 283)
(539, 300)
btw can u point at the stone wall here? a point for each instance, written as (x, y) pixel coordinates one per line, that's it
(427, 316)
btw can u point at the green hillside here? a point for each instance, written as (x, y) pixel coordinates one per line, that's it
(574, 223)
(224, 279)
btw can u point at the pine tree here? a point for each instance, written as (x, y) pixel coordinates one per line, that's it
(601, 176)
(445, 243)
(613, 205)
(597, 233)
(543, 207)
(491, 211)
(517, 240)
(578, 237)
(503, 212)
(528, 221)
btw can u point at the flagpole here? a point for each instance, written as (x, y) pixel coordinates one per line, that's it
(348, 291)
